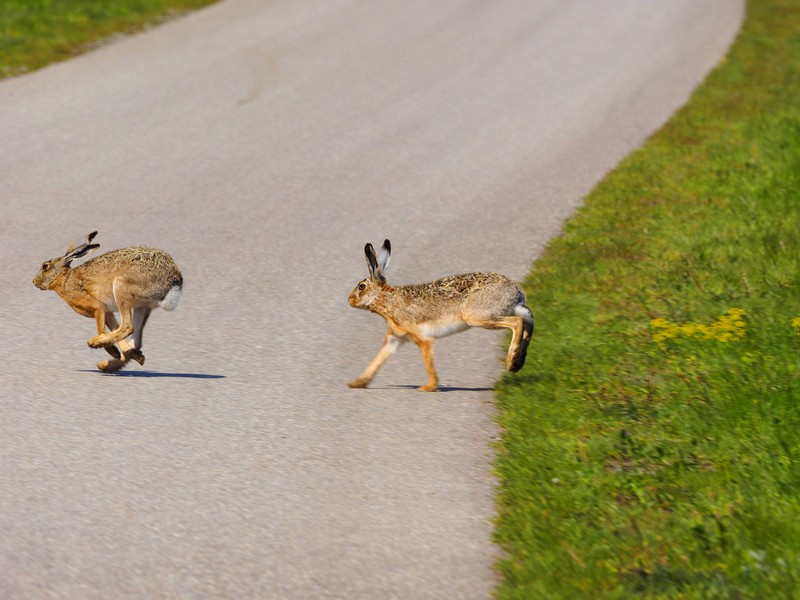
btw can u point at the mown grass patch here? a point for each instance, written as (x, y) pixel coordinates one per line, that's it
(34, 33)
(652, 442)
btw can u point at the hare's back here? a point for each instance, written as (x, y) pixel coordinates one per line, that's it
(466, 285)
(493, 296)
(462, 290)
(135, 257)
(139, 263)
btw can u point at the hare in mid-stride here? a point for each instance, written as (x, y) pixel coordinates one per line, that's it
(427, 311)
(132, 281)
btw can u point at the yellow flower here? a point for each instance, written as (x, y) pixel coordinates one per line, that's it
(729, 327)
(660, 323)
(706, 331)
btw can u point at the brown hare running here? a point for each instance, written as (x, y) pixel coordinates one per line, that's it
(427, 311)
(132, 281)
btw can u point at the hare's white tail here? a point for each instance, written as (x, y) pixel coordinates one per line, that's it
(523, 311)
(170, 301)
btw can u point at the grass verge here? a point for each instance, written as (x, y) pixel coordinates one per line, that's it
(34, 33)
(652, 442)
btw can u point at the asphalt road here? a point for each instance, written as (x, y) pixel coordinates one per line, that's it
(263, 144)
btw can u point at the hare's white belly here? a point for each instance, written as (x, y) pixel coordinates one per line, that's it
(442, 327)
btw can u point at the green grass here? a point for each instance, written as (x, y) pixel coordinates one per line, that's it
(34, 33)
(647, 453)
(652, 444)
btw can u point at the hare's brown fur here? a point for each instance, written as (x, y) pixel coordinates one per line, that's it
(132, 281)
(424, 312)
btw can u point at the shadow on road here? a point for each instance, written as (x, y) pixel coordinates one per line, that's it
(442, 388)
(154, 374)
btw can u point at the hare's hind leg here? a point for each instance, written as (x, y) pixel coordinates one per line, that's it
(140, 316)
(517, 353)
(521, 332)
(390, 344)
(129, 350)
(516, 361)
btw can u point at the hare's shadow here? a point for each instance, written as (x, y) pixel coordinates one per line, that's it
(442, 388)
(146, 374)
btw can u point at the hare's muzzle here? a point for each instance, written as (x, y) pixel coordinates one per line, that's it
(356, 299)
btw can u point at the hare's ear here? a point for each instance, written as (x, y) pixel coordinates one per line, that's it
(372, 262)
(80, 248)
(384, 256)
(83, 251)
(79, 243)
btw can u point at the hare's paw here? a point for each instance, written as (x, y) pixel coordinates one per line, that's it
(431, 387)
(135, 354)
(516, 357)
(515, 361)
(110, 366)
(358, 383)
(101, 340)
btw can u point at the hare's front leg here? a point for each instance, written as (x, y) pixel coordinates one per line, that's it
(124, 303)
(100, 318)
(390, 344)
(119, 361)
(426, 347)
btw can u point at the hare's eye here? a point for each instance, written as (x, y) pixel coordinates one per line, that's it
(45, 266)
(362, 287)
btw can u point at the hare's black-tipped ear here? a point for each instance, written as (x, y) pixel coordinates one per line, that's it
(372, 260)
(80, 248)
(384, 256)
(79, 244)
(83, 251)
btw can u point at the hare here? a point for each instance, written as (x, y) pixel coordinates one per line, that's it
(427, 311)
(132, 281)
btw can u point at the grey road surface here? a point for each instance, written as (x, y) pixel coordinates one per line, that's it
(263, 143)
